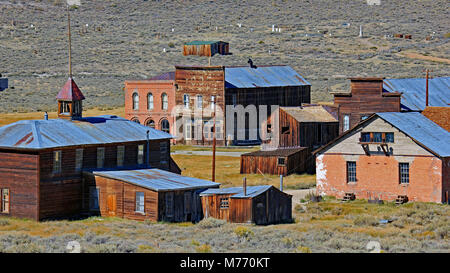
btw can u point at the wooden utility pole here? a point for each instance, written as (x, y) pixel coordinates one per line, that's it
(426, 88)
(214, 144)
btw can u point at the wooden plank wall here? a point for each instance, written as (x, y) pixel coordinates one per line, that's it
(19, 173)
(295, 163)
(271, 207)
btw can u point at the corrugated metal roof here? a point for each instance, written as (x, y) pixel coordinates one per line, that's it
(70, 92)
(41, 134)
(313, 113)
(413, 97)
(238, 192)
(421, 129)
(276, 152)
(262, 76)
(157, 180)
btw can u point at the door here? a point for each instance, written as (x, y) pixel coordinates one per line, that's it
(112, 205)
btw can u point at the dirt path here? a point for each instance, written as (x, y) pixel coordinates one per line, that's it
(423, 57)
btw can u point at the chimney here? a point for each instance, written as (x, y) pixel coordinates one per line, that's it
(244, 186)
(281, 182)
(46, 116)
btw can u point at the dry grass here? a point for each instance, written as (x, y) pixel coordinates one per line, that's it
(227, 172)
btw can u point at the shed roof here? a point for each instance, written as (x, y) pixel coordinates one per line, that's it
(311, 113)
(41, 134)
(70, 92)
(157, 180)
(413, 89)
(276, 152)
(262, 76)
(238, 192)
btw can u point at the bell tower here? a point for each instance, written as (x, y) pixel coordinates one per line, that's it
(70, 97)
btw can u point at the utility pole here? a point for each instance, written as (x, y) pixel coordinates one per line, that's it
(214, 144)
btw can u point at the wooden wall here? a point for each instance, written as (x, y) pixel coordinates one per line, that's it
(272, 207)
(19, 173)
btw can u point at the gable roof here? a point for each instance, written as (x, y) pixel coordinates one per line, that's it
(157, 180)
(70, 92)
(420, 129)
(41, 134)
(262, 76)
(414, 95)
(310, 113)
(238, 192)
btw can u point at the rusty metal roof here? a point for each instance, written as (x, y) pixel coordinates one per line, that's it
(311, 113)
(262, 76)
(414, 94)
(238, 192)
(157, 180)
(42, 134)
(70, 92)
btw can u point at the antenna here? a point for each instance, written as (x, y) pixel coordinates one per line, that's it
(70, 43)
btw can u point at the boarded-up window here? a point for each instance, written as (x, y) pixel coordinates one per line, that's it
(57, 161)
(351, 171)
(78, 159)
(140, 156)
(100, 157)
(5, 200)
(120, 155)
(187, 202)
(140, 202)
(224, 203)
(93, 198)
(169, 204)
(164, 154)
(404, 173)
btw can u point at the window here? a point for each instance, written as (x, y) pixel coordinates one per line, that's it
(165, 126)
(135, 120)
(188, 130)
(140, 155)
(140, 202)
(57, 161)
(346, 122)
(100, 157)
(120, 155)
(94, 194)
(169, 204)
(186, 100)
(151, 123)
(78, 159)
(165, 101)
(135, 101)
(365, 137)
(285, 130)
(5, 200)
(281, 161)
(199, 101)
(404, 173)
(224, 203)
(351, 171)
(363, 117)
(389, 137)
(164, 154)
(377, 137)
(187, 202)
(77, 108)
(150, 101)
(213, 102)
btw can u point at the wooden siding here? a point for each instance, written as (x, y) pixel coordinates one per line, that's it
(19, 173)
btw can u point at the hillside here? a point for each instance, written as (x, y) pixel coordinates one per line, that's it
(125, 40)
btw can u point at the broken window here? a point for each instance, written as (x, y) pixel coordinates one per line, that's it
(404, 173)
(351, 171)
(224, 203)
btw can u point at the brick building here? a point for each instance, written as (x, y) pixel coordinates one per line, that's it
(198, 88)
(387, 156)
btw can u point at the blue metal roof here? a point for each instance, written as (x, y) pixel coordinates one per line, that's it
(41, 134)
(238, 192)
(413, 97)
(422, 130)
(262, 76)
(157, 180)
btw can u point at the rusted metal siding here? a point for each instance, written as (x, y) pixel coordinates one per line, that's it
(207, 48)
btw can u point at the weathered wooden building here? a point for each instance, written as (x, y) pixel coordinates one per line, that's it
(365, 98)
(193, 92)
(291, 134)
(144, 194)
(388, 156)
(261, 205)
(206, 48)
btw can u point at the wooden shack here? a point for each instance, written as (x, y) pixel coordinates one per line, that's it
(283, 161)
(206, 48)
(261, 205)
(146, 194)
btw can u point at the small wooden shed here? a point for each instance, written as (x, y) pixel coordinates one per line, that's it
(145, 194)
(206, 48)
(283, 161)
(261, 205)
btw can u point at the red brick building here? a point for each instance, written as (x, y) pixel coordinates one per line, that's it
(386, 156)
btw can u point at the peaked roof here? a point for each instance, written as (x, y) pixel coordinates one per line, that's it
(70, 92)
(238, 192)
(414, 94)
(420, 129)
(42, 134)
(262, 76)
(157, 180)
(311, 113)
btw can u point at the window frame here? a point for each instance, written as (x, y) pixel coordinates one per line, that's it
(140, 154)
(224, 203)
(199, 102)
(120, 155)
(283, 159)
(100, 157)
(169, 198)
(3, 202)
(135, 101)
(346, 122)
(79, 153)
(166, 130)
(164, 101)
(186, 99)
(140, 202)
(404, 179)
(57, 162)
(150, 101)
(351, 172)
